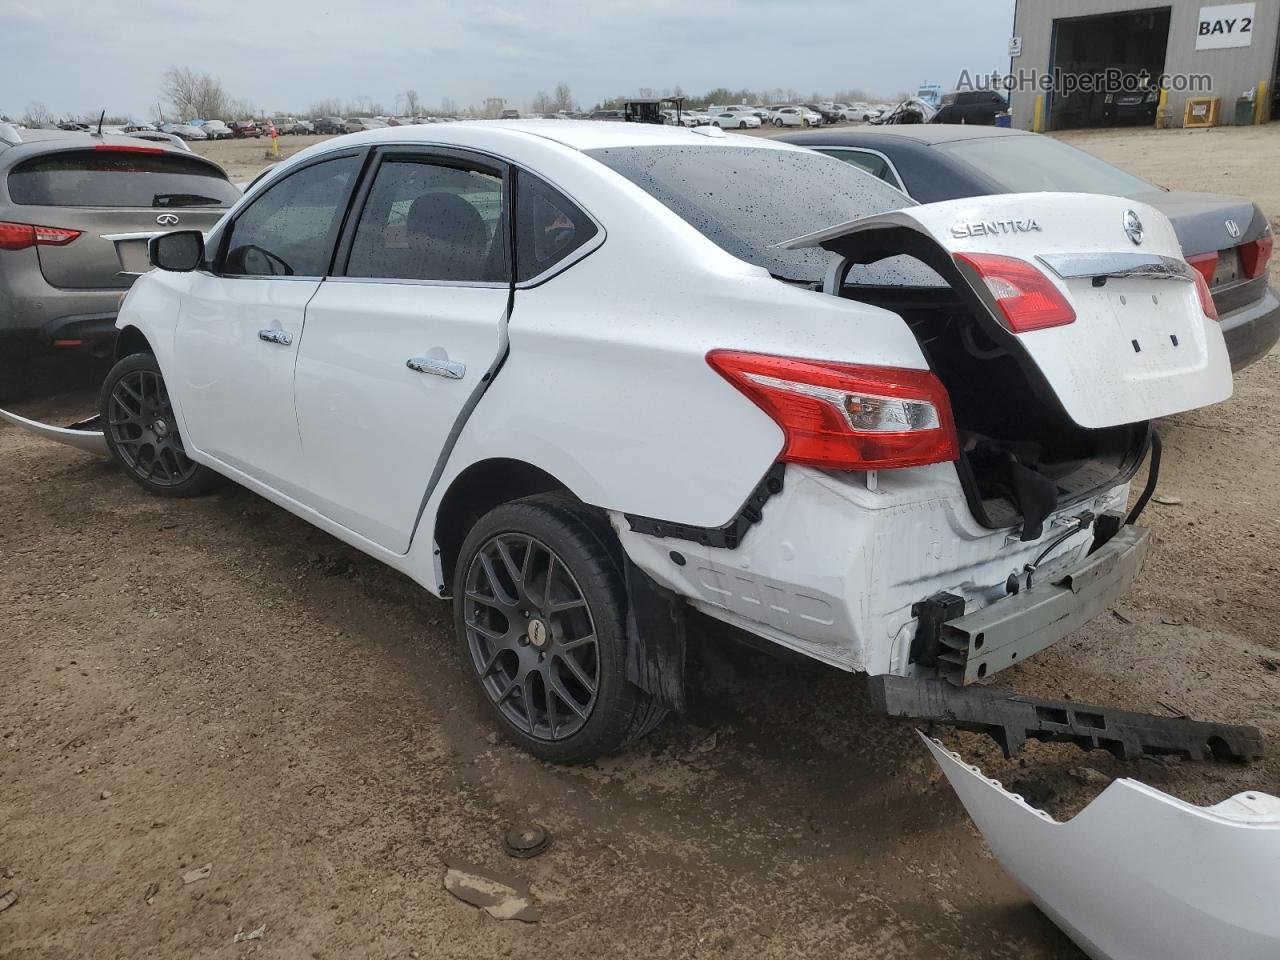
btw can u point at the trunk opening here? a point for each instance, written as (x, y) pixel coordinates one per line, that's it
(1022, 458)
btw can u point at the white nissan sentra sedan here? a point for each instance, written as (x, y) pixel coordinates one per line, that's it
(581, 377)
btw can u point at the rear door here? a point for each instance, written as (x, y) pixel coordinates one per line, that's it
(241, 323)
(1138, 345)
(109, 188)
(401, 338)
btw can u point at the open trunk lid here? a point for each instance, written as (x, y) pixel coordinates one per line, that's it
(1140, 345)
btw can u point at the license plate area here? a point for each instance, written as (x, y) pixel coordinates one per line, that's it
(1153, 328)
(1227, 269)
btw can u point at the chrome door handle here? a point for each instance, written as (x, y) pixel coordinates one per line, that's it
(449, 369)
(275, 336)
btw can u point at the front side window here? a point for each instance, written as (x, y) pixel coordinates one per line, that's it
(290, 229)
(549, 227)
(428, 221)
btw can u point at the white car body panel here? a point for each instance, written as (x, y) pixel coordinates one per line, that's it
(1100, 378)
(1139, 874)
(370, 427)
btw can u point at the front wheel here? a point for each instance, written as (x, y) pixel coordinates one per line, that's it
(142, 431)
(540, 608)
(742, 124)
(777, 122)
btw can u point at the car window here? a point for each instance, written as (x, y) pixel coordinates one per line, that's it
(122, 177)
(1030, 164)
(549, 227)
(428, 221)
(290, 229)
(743, 198)
(872, 163)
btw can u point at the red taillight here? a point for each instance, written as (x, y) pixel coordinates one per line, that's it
(1027, 298)
(19, 236)
(1206, 264)
(1255, 255)
(126, 148)
(844, 416)
(1206, 297)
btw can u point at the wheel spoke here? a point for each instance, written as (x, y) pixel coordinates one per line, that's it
(550, 699)
(492, 661)
(567, 645)
(567, 697)
(487, 632)
(501, 597)
(526, 695)
(515, 573)
(579, 673)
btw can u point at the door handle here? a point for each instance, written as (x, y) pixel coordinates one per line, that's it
(275, 336)
(449, 369)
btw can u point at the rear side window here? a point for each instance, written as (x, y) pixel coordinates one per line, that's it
(290, 229)
(427, 221)
(549, 227)
(124, 178)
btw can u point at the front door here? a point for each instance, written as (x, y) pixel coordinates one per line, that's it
(402, 336)
(241, 323)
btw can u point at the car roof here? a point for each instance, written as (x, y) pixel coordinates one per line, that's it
(923, 133)
(35, 141)
(575, 134)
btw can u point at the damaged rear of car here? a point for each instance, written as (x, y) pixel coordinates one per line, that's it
(952, 521)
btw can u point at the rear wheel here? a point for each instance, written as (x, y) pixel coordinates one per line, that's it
(777, 122)
(142, 431)
(540, 607)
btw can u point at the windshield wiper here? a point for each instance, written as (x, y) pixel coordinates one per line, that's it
(184, 200)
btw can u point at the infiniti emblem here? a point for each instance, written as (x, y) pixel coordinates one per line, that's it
(1133, 226)
(1233, 230)
(167, 219)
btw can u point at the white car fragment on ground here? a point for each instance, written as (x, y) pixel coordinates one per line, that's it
(1138, 874)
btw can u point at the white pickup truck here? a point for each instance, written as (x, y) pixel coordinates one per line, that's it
(582, 376)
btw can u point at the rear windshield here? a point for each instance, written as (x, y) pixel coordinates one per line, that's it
(749, 199)
(1031, 164)
(102, 178)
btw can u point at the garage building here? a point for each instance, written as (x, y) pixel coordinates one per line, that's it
(1236, 45)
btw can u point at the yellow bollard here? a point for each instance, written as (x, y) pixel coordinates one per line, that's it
(1037, 121)
(1260, 103)
(1161, 107)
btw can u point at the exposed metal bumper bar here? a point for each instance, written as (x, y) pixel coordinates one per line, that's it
(1011, 719)
(981, 643)
(85, 435)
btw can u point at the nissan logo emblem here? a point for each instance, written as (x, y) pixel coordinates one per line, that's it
(1133, 226)
(1233, 230)
(167, 219)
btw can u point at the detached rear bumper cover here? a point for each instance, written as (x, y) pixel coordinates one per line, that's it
(1139, 874)
(86, 435)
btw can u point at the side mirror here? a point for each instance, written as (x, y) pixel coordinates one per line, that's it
(182, 250)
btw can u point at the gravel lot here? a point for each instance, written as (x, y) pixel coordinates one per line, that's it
(213, 681)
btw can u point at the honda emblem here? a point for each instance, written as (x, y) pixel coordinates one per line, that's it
(1233, 230)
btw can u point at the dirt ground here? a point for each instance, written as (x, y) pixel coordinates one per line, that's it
(213, 681)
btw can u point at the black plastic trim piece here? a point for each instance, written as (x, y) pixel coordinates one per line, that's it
(931, 613)
(731, 534)
(1011, 719)
(656, 639)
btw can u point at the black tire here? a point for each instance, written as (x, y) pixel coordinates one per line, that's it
(504, 588)
(13, 381)
(142, 432)
(777, 121)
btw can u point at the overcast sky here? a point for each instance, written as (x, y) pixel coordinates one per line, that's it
(78, 56)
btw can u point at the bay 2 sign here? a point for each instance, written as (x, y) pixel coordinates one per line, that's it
(1230, 25)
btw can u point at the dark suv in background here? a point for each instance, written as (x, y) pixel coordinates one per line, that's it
(61, 193)
(971, 106)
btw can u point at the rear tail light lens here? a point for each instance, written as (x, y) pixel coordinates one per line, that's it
(1206, 264)
(1027, 298)
(1255, 255)
(1206, 297)
(845, 416)
(19, 236)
